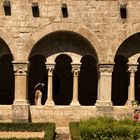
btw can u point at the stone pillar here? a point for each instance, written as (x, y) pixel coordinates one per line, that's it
(75, 70)
(104, 85)
(50, 68)
(132, 68)
(20, 106)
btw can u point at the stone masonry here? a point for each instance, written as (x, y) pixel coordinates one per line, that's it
(99, 23)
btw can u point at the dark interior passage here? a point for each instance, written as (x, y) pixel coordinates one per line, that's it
(62, 80)
(137, 83)
(37, 74)
(88, 81)
(120, 81)
(6, 79)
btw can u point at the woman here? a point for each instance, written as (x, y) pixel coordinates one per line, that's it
(38, 94)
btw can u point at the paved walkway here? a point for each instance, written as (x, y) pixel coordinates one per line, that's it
(62, 133)
(22, 134)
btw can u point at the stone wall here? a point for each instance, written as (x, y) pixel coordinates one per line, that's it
(101, 18)
(62, 115)
(5, 113)
(98, 21)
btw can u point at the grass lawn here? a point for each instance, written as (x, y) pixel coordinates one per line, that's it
(104, 128)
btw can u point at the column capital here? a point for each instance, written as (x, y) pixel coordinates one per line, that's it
(76, 68)
(132, 68)
(20, 68)
(50, 67)
(106, 68)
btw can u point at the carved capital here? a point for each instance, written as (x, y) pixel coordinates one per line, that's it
(50, 67)
(106, 68)
(76, 69)
(20, 68)
(132, 68)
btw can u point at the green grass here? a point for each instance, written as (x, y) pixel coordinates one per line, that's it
(104, 128)
(49, 129)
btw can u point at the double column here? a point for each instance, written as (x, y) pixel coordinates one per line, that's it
(132, 68)
(104, 85)
(75, 71)
(50, 68)
(20, 106)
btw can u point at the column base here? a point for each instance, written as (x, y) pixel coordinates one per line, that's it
(75, 103)
(20, 111)
(103, 103)
(129, 103)
(49, 103)
(20, 102)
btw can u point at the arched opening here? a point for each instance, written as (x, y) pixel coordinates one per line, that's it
(120, 81)
(121, 77)
(62, 80)
(37, 74)
(6, 75)
(6, 79)
(62, 42)
(88, 80)
(137, 82)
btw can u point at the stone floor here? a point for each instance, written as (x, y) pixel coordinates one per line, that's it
(62, 133)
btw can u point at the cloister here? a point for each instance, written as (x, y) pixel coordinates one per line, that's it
(79, 82)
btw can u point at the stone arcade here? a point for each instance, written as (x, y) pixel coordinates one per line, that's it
(88, 61)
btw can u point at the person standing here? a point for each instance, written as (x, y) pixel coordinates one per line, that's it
(38, 94)
(136, 116)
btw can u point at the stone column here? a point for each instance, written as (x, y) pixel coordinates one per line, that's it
(50, 68)
(75, 70)
(20, 105)
(132, 68)
(104, 85)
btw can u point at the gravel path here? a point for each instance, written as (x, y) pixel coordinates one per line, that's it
(22, 134)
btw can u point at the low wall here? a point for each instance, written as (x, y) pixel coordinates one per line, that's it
(5, 113)
(62, 115)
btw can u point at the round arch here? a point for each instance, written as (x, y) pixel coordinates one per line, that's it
(88, 74)
(119, 41)
(62, 80)
(127, 52)
(74, 57)
(9, 41)
(6, 74)
(70, 27)
(62, 43)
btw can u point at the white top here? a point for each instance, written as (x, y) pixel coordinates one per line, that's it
(38, 97)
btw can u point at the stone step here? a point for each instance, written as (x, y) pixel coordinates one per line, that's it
(62, 133)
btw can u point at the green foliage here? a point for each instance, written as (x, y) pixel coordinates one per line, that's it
(74, 131)
(49, 129)
(23, 126)
(104, 128)
(21, 139)
(135, 102)
(50, 132)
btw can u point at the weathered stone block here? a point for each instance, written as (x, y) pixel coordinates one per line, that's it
(20, 113)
